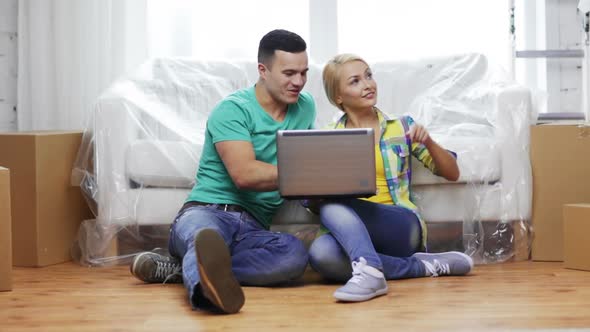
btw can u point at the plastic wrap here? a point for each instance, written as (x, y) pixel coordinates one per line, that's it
(141, 149)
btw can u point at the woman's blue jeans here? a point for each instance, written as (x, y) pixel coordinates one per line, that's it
(385, 235)
(259, 257)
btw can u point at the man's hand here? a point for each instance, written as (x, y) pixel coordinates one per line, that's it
(312, 205)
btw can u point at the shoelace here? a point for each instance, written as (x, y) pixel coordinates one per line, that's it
(436, 268)
(166, 270)
(177, 273)
(357, 268)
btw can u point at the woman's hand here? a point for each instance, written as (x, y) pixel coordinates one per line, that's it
(419, 134)
(446, 164)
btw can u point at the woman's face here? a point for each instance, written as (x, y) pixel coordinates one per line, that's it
(356, 88)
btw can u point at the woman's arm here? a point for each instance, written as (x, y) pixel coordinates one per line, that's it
(445, 163)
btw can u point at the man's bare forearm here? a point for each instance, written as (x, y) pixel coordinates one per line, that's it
(257, 176)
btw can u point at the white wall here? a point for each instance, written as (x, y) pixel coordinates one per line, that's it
(8, 63)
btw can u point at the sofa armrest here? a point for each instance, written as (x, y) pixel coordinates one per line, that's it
(513, 120)
(114, 128)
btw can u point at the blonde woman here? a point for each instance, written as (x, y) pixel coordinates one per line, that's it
(381, 237)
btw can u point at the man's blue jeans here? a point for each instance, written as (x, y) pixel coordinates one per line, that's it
(385, 235)
(259, 257)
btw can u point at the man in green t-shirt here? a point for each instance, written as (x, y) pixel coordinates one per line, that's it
(221, 234)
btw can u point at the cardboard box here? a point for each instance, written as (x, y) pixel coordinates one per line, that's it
(5, 232)
(576, 227)
(46, 209)
(560, 158)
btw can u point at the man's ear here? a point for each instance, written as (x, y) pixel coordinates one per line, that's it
(262, 70)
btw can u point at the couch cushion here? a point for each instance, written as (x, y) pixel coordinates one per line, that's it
(162, 163)
(437, 203)
(157, 206)
(174, 163)
(478, 159)
(466, 202)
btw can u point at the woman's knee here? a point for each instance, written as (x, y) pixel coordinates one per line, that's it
(338, 214)
(328, 259)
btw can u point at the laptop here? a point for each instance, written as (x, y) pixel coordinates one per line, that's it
(334, 163)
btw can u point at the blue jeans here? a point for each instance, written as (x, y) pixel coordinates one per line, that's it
(385, 235)
(259, 257)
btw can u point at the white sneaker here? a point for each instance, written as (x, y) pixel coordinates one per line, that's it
(452, 263)
(366, 283)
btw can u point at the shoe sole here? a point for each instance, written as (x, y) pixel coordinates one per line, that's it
(467, 257)
(346, 297)
(217, 278)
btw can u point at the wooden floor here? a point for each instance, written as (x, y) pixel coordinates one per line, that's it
(510, 296)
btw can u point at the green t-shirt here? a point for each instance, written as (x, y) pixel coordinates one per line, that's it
(239, 117)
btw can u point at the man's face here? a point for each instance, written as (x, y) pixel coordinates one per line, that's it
(286, 76)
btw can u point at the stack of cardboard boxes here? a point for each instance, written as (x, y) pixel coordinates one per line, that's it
(560, 158)
(46, 210)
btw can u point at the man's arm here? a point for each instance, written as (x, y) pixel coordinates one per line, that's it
(246, 172)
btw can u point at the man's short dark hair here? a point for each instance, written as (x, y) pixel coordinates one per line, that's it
(281, 40)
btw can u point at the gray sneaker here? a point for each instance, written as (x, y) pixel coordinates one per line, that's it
(366, 283)
(155, 268)
(218, 283)
(452, 263)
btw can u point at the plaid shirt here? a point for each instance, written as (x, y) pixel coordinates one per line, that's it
(395, 145)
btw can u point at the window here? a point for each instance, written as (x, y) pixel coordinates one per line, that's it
(389, 30)
(380, 30)
(375, 29)
(219, 29)
(549, 57)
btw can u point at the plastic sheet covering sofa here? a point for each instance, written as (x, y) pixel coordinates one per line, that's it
(142, 146)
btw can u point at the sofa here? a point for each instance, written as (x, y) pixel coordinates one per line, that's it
(141, 149)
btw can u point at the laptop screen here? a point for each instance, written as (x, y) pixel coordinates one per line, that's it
(326, 163)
